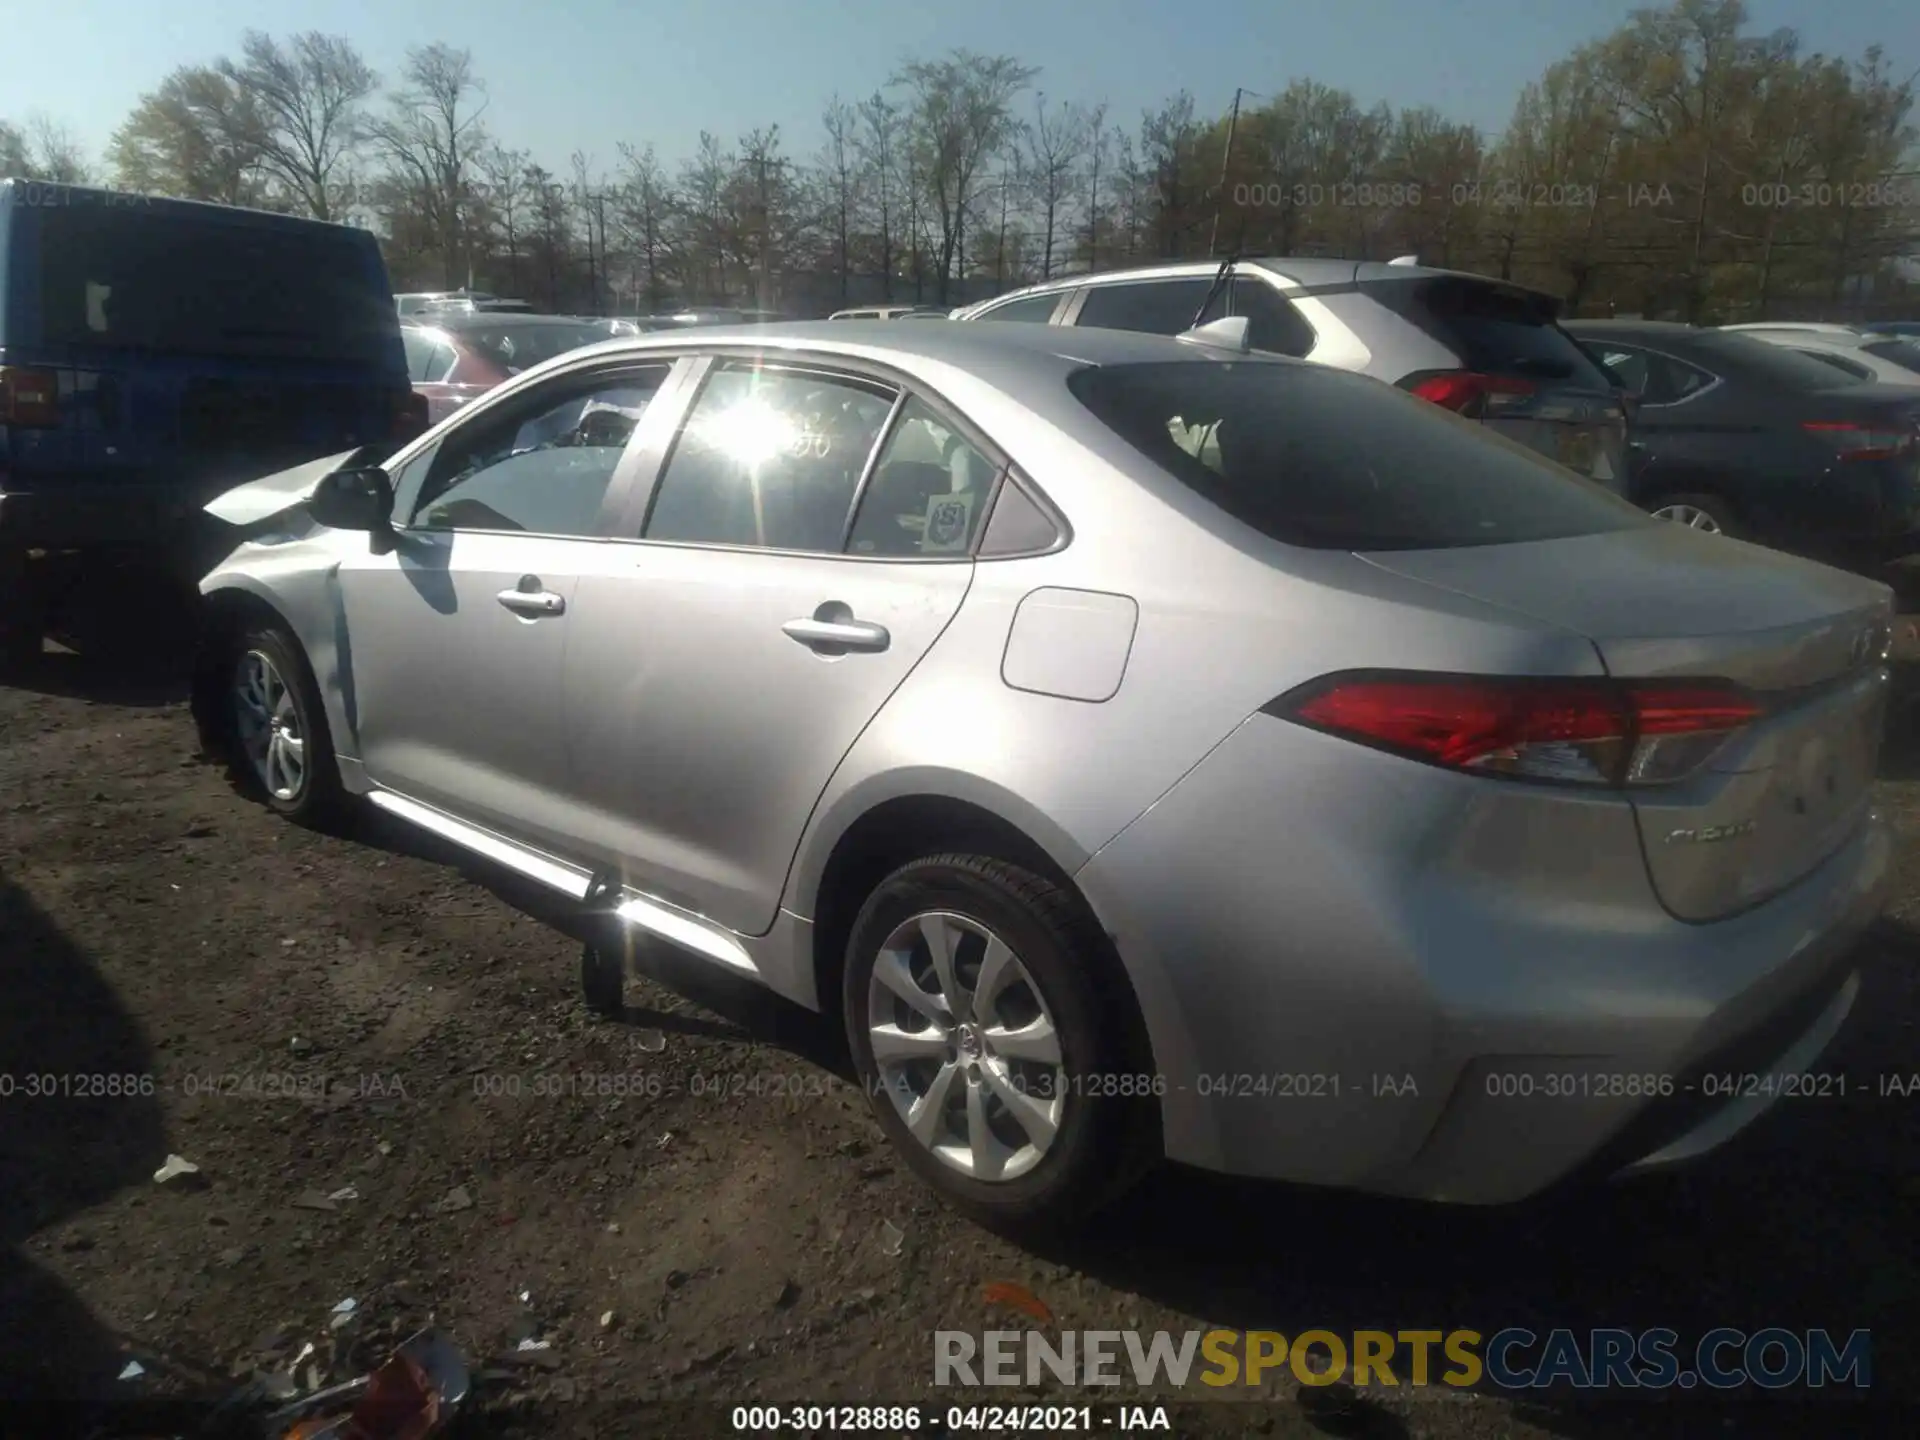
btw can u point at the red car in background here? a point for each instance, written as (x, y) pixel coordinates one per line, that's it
(455, 357)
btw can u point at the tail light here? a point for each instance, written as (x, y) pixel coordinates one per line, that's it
(409, 416)
(29, 398)
(1468, 392)
(1862, 442)
(1573, 731)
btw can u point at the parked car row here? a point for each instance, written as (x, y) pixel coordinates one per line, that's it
(1726, 430)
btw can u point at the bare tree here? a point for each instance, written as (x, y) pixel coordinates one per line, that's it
(959, 114)
(839, 167)
(1056, 142)
(503, 185)
(307, 103)
(880, 146)
(432, 137)
(1099, 141)
(646, 203)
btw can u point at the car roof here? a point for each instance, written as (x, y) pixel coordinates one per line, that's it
(1624, 329)
(1821, 339)
(966, 347)
(1308, 270)
(48, 194)
(1809, 327)
(490, 319)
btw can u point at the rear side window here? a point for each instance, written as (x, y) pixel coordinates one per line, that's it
(520, 347)
(1033, 310)
(1273, 324)
(1759, 362)
(1317, 457)
(1494, 330)
(1844, 366)
(1157, 307)
(150, 279)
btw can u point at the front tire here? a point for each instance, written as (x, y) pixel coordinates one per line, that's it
(281, 747)
(993, 1043)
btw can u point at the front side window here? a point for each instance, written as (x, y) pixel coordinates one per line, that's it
(929, 491)
(542, 468)
(769, 458)
(1321, 458)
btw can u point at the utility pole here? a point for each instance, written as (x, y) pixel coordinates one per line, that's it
(1226, 159)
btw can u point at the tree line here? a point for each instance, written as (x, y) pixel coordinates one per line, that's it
(1683, 165)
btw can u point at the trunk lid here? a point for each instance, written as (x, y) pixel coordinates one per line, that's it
(1518, 372)
(1663, 601)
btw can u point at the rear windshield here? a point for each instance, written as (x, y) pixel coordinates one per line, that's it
(518, 347)
(1317, 457)
(140, 279)
(1493, 330)
(1904, 353)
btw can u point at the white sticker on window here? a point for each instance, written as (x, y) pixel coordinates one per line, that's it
(947, 527)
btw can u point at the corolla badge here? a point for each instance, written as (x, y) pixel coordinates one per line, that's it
(1712, 834)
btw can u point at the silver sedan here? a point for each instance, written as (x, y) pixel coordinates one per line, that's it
(1148, 748)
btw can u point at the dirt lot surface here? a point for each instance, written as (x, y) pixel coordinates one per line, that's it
(368, 1015)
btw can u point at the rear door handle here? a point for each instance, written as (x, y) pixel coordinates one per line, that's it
(531, 598)
(838, 636)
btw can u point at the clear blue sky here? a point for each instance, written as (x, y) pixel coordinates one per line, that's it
(588, 73)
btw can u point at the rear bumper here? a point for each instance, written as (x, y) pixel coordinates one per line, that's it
(1357, 973)
(85, 515)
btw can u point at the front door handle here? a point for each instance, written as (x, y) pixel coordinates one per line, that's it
(836, 637)
(531, 598)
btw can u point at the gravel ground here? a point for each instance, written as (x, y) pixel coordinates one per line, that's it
(369, 1015)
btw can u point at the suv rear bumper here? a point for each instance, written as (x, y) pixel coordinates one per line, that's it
(86, 516)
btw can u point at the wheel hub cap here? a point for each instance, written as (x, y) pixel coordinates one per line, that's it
(965, 1046)
(267, 722)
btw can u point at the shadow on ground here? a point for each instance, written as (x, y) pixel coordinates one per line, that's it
(747, 1011)
(116, 638)
(61, 1153)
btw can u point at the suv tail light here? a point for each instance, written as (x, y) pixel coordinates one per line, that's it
(1862, 442)
(1574, 731)
(1468, 392)
(409, 416)
(29, 398)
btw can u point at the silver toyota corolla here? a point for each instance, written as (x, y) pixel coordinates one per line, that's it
(1149, 748)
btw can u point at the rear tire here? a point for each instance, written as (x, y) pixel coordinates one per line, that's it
(1698, 510)
(279, 747)
(1042, 1023)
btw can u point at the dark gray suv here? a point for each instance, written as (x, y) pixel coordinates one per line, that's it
(1486, 349)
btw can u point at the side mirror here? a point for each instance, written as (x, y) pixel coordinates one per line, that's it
(354, 498)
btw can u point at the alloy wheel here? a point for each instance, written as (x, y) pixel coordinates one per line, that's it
(1691, 516)
(268, 722)
(965, 1046)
